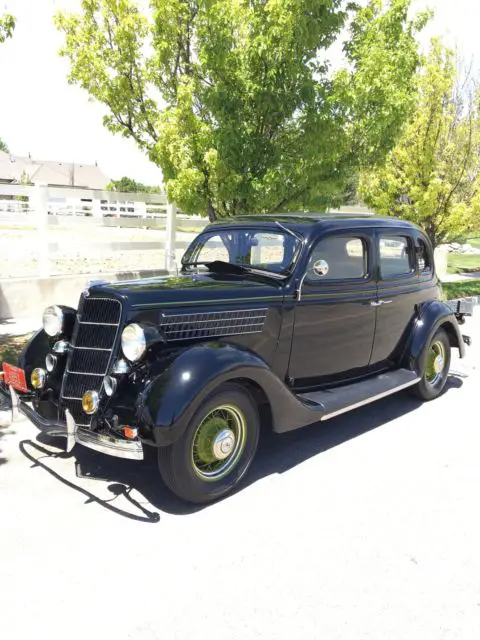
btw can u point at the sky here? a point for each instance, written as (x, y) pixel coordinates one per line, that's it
(41, 114)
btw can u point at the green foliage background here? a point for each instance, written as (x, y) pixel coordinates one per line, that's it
(236, 100)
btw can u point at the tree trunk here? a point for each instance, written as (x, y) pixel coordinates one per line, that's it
(212, 214)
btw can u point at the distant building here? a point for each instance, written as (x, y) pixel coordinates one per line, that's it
(19, 170)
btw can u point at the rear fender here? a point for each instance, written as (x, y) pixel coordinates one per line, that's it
(170, 400)
(432, 316)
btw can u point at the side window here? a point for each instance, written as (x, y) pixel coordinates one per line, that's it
(213, 249)
(424, 263)
(337, 258)
(395, 256)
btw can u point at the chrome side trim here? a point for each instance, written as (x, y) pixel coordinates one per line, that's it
(99, 324)
(82, 373)
(362, 403)
(90, 348)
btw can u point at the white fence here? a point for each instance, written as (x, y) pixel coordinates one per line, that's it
(45, 207)
(82, 202)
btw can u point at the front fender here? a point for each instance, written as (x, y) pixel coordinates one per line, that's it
(170, 400)
(33, 355)
(431, 317)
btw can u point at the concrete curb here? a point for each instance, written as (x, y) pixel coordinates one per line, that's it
(28, 297)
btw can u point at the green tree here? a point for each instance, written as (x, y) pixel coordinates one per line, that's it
(432, 176)
(4, 146)
(129, 185)
(236, 100)
(7, 25)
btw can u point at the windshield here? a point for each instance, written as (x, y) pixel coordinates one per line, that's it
(271, 251)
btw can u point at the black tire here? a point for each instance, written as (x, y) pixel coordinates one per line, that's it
(430, 387)
(184, 471)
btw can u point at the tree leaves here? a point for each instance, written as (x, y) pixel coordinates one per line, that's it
(432, 175)
(7, 26)
(234, 99)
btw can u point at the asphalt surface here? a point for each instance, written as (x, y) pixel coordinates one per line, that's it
(367, 527)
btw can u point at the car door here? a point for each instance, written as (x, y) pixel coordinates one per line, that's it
(398, 293)
(335, 313)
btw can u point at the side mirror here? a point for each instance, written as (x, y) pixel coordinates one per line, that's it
(320, 268)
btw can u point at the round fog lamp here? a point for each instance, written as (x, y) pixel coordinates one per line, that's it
(38, 378)
(50, 362)
(110, 385)
(90, 402)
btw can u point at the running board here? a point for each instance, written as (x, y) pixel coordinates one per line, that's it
(339, 400)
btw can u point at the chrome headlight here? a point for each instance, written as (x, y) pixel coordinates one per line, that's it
(134, 342)
(52, 320)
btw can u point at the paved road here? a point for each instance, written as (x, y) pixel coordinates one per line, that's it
(365, 528)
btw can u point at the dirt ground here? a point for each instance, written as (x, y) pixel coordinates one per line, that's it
(83, 250)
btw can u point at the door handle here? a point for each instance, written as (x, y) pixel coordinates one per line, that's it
(378, 303)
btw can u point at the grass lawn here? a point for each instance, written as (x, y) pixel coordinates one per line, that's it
(464, 289)
(463, 262)
(475, 242)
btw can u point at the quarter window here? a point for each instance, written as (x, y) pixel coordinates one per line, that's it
(338, 258)
(423, 258)
(395, 256)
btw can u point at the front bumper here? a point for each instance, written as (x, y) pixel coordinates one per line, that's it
(105, 443)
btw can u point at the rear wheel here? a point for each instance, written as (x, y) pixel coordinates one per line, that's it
(436, 366)
(216, 449)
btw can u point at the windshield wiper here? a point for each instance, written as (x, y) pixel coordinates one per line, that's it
(290, 231)
(220, 266)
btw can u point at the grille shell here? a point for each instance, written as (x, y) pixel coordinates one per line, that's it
(94, 343)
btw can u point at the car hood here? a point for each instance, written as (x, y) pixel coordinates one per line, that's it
(191, 289)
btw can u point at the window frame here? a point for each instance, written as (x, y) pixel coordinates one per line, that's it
(352, 234)
(419, 240)
(396, 233)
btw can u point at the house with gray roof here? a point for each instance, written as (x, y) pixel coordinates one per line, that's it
(21, 170)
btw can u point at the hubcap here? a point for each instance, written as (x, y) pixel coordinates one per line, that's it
(218, 443)
(223, 444)
(435, 365)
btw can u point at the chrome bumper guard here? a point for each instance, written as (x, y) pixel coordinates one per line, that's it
(109, 444)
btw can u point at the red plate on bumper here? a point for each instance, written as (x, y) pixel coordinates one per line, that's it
(15, 376)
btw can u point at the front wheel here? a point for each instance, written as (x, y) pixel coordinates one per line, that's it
(436, 366)
(216, 449)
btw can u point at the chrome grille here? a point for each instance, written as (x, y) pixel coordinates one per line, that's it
(213, 324)
(94, 338)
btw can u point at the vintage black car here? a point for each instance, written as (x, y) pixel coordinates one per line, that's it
(294, 318)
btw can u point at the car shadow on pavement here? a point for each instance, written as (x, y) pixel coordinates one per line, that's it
(276, 454)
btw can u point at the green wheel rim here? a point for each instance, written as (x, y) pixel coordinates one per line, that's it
(218, 443)
(436, 362)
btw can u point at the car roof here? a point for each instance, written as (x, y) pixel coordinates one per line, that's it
(306, 224)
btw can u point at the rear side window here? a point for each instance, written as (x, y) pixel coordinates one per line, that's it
(395, 256)
(338, 258)
(424, 263)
